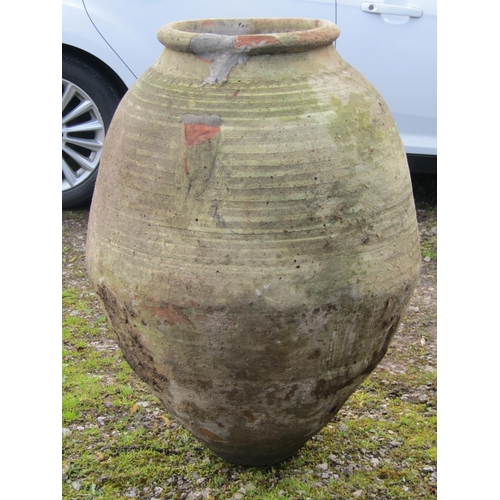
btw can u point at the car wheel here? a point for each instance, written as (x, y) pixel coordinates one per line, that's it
(88, 104)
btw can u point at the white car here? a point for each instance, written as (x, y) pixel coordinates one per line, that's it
(107, 45)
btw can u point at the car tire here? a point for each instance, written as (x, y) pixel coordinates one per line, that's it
(89, 103)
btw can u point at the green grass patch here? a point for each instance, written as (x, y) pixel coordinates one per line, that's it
(429, 248)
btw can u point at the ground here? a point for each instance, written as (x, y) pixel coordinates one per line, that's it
(119, 442)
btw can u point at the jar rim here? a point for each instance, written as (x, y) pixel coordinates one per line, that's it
(251, 36)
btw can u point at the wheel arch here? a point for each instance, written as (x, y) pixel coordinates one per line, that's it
(105, 89)
(107, 72)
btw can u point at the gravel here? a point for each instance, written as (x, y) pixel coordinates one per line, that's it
(418, 329)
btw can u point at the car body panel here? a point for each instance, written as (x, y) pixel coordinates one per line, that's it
(133, 25)
(397, 54)
(79, 32)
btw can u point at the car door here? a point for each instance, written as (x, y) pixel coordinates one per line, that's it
(393, 44)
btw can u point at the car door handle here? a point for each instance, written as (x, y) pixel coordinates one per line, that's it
(396, 10)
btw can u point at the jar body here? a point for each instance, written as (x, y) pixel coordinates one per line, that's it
(254, 242)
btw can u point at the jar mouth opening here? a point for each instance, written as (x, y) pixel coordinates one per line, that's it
(252, 36)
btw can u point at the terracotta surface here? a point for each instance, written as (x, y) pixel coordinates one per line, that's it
(252, 234)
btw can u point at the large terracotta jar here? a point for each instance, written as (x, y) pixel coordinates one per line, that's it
(253, 234)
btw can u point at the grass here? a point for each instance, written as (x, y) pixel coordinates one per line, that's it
(119, 442)
(428, 233)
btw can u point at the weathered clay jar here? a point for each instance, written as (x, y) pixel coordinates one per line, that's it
(253, 234)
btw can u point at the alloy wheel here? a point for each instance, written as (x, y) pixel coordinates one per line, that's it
(82, 135)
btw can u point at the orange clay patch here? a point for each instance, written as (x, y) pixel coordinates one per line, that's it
(196, 133)
(254, 40)
(211, 435)
(171, 314)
